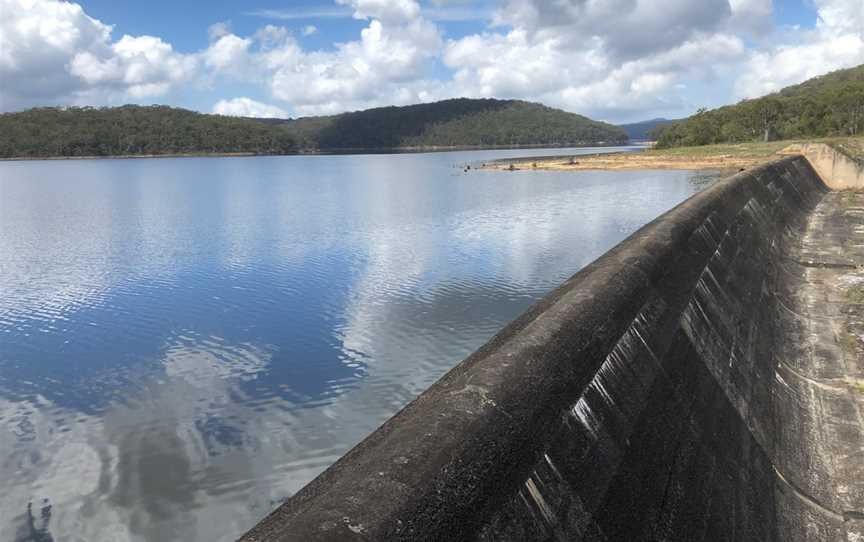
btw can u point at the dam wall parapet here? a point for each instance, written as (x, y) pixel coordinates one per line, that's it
(838, 170)
(658, 394)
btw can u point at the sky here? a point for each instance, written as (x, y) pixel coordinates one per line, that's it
(613, 60)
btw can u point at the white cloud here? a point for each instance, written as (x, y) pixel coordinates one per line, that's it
(560, 54)
(332, 12)
(514, 64)
(217, 30)
(752, 16)
(837, 42)
(615, 59)
(140, 67)
(386, 65)
(437, 12)
(229, 53)
(271, 36)
(37, 40)
(840, 16)
(52, 52)
(651, 84)
(392, 11)
(786, 65)
(457, 13)
(247, 107)
(627, 29)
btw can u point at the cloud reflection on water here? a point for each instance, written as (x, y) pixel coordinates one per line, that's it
(187, 342)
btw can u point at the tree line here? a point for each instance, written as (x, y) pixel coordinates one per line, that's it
(134, 130)
(452, 123)
(153, 130)
(831, 105)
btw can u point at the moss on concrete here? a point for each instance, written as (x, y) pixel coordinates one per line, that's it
(855, 294)
(853, 147)
(848, 341)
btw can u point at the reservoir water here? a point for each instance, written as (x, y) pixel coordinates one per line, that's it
(186, 342)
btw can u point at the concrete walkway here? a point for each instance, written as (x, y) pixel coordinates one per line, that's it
(821, 374)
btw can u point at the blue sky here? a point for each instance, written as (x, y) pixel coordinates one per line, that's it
(185, 24)
(618, 60)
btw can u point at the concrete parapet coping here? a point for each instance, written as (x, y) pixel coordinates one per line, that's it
(838, 170)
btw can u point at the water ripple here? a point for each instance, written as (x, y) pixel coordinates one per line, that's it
(185, 343)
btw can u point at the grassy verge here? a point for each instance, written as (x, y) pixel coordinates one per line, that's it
(748, 150)
(853, 147)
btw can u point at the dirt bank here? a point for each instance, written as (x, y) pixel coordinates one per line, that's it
(644, 160)
(732, 157)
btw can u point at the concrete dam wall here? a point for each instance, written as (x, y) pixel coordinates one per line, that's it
(840, 172)
(703, 380)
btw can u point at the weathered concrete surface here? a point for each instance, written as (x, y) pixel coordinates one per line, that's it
(821, 367)
(837, 170)
(701, 381)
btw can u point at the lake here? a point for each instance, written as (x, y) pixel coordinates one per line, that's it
(186, 342)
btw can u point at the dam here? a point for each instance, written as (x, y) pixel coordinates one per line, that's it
(703, 380)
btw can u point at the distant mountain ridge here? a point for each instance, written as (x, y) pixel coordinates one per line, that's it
(460, 122)
(641, 131)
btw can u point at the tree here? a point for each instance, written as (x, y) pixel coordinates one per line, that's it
(848, 105)
(131, 129)
(824, 106)
(768, 111)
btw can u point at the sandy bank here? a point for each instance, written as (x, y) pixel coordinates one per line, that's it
(628, 161)
(732, 157)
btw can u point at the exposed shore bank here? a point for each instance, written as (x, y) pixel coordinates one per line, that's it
(719, 157)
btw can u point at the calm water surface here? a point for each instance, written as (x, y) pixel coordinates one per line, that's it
(186, 342)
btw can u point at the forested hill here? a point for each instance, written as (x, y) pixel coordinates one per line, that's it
(134, 130)
(451, 123)
(830, 105)
(153, 130)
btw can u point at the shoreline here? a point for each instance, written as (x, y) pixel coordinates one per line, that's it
(731, 157)
(133, 156)
(626, 161)
(316, 152)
